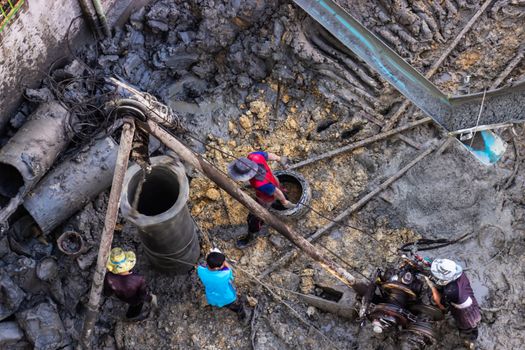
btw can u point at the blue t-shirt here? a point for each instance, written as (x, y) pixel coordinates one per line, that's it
(268, 188)
(218, 285)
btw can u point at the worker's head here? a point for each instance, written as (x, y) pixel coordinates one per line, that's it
(242, 169)
(121, 261)
(215, 259)
(445, 271)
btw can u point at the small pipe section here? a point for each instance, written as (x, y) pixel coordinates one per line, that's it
(166, 228)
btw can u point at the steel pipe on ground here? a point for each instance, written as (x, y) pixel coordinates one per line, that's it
(71, 185)
(33, 149)
(166, 229)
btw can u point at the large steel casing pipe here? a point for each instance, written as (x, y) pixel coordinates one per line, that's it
(166, 229)
(32, 150)
(72, 184)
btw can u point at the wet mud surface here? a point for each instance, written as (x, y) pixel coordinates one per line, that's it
(249, 75)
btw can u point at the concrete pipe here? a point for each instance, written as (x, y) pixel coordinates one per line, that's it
(166, 228)
(72, 184)
(32, 150)
(297, 191)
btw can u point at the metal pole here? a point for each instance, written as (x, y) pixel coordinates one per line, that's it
(102, 17)
(233, 190)
(126, 139)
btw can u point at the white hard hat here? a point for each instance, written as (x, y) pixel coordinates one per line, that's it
(445, 271)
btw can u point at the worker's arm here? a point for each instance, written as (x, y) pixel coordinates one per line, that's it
(435, 293)
(273, 156)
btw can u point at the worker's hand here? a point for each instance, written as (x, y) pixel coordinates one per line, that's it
(154, 302)
(288, 205)
(435, 294)
(430, 283)
(285, 162)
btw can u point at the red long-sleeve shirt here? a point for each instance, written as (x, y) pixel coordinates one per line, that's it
(130, 288)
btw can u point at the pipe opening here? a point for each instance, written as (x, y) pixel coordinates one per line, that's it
(10, 180)
(159, 192)
(294, 190)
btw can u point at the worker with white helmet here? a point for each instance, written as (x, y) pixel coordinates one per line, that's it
(453, 288)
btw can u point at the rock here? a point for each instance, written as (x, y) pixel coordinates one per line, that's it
(181, 60)
(105, 59)
(245, 122)
(251, 301)
(18, 120)
(43, 327)
(186, 37)
(310, 311)
(39, 95)
(11, 296)
(244, 81)
(158, 25)
(86, 260)
(4, 246)
(47, 269)
(10, 334)
(24, 274)
(213, 194)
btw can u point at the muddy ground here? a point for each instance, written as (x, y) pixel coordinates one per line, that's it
(248, 75)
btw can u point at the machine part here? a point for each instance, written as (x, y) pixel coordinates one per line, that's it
(142, 105)
(418, 335)
(297, 190)
(429, 312)
(391, 287)
(71, 243)
(390, 312)
(32, 150)
(453, 113)
(166, 229)
(72, 184)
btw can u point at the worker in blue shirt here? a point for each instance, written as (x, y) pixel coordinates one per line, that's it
(217, 278)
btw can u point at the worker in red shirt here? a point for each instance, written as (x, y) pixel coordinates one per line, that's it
(127, 286)
(254, 168)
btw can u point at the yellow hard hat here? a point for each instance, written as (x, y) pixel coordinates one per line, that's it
(121, 261)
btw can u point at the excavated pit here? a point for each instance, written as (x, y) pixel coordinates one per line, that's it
(250, 75)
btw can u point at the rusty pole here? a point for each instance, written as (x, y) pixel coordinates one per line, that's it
(233, 190)
(126, 139)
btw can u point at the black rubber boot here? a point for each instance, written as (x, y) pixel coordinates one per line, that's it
(245, 241)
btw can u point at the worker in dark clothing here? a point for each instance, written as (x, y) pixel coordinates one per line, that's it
(454, 291)
(129, 287)
(254, 168)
